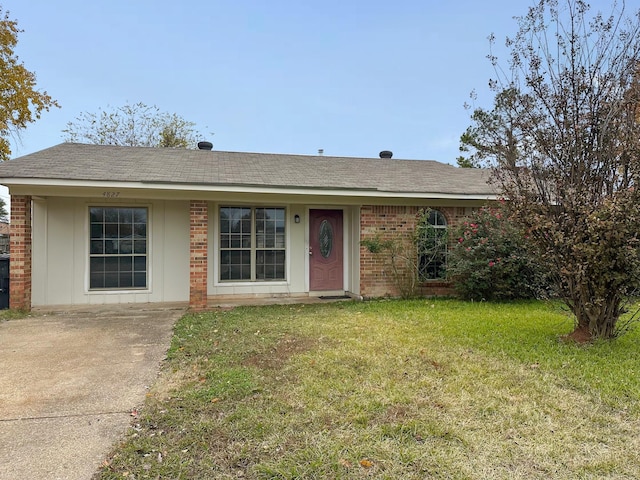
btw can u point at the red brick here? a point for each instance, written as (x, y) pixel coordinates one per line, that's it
(388, 222)
(198, 263)
(20, 248)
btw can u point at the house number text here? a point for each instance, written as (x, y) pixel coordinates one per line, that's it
(110, 194)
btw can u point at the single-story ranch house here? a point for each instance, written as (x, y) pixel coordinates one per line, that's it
(97, 224)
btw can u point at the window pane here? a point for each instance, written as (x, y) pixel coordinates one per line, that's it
(140, 230)
(97, 246)
(140, 279)
(140, 263)
(111, 215)
(116, 234)
(269, 232)
(235, 265)
(111, 246)
(96, 280)
(125, 246)
(110, 280)
(97, 264)
(125, 280)
(96, 230)
(96, 215)
(140, 215)
(235, 272)
(225, 265)
(433, 247)
(233, 218)
(270, 264)
(111, 264)
(436, 218)
(111, 230)
(126, 230)
(236, 241)
(140, 246)
(236, 257)
(248, 242)
(126, 264)
(245, 273)
(125, 215)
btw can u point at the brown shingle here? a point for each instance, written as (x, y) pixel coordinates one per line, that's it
(71, 161)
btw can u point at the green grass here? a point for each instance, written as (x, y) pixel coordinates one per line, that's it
(388, 390)
(12, 314)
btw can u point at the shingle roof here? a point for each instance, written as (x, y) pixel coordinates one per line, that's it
(73, 161)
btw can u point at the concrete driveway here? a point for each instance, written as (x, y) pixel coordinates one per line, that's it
(69, 382)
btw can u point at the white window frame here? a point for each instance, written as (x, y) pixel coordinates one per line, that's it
(437, 226)
(147, 254)
(253, 247)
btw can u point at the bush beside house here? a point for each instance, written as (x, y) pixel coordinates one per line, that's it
(487, 255)
(490, 260)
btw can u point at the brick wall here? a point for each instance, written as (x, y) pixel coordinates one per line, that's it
(198, 230)
(376, 279)
(20, 247)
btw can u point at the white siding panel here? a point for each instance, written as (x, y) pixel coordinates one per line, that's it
(170, 252)
(53, 255)
(60, 253)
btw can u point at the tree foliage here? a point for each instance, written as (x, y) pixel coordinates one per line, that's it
(20, 102)
(490, 261)
(4, 214)
(492, 134)
(133, 125)
(563, 138)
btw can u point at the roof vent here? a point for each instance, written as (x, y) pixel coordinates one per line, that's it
(205, 145)
(386, 154)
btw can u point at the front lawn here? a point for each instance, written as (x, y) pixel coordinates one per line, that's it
(387, 390)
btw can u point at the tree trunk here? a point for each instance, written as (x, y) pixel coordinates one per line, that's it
(596, 318)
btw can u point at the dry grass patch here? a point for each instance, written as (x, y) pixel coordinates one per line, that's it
(394, 389)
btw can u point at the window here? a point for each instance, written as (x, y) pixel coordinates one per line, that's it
(117, 247)
(252, 244)
(432, 245)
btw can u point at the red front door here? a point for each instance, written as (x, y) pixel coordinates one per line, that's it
(325, 250)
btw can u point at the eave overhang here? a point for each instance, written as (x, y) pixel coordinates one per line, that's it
(45, 186)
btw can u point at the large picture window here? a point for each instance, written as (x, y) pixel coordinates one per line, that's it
(252, 244)
(118, 247)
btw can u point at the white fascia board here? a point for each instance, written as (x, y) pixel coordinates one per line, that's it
(329, 192)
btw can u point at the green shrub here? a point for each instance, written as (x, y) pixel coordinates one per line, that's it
(490, 261)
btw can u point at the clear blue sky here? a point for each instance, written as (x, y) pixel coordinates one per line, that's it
(352, 77)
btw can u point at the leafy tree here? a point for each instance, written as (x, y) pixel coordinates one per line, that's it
(134, 125)
(20, 102)
(492, 135)
(563, 138)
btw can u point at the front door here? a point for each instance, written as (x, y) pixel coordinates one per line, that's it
(325, 250)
